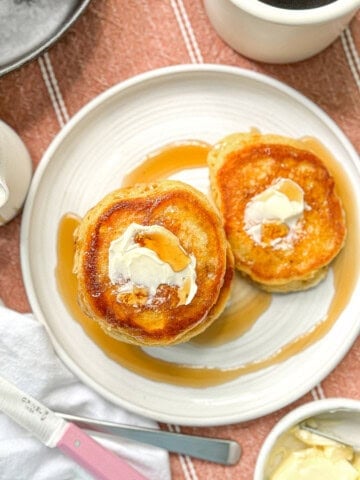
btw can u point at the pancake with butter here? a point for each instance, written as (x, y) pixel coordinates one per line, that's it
(282, 216)
(151, 263)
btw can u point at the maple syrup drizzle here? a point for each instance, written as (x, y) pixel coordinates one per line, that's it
(167, 248)
(246, 304)
(168, 160)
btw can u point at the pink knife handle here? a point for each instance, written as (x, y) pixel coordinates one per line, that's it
(102, 463)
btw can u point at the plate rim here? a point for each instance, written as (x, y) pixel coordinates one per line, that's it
(229, 418)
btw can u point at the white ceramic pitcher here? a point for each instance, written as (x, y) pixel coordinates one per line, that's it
(15, 173)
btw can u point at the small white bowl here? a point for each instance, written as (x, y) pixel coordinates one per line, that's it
(15, 173)
(278, 35)
(292, 419)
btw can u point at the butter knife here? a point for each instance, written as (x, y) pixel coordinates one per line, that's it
(54, 431)
(223, 451)
(340, 425)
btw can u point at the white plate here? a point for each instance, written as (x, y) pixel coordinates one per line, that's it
(88, 159)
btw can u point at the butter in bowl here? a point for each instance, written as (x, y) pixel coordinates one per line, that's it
(292, 451)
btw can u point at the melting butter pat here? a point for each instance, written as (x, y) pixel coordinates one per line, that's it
(150, 256)
(282, 202)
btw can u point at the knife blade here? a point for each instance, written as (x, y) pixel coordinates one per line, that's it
(54, 431)
(217, 450)
(340, 425)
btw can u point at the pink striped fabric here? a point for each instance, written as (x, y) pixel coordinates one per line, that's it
(114, 40)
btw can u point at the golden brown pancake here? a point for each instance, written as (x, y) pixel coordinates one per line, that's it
(137, 316)
(280, 258)
(221, 302)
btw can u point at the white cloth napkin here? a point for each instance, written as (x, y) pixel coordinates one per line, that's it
(27, 358)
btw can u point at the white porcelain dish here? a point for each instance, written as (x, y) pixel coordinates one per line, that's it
(15, 172)
(295, 417)
(279, 35)
(89, 157)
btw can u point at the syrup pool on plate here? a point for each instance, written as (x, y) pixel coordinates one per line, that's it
(247, 303)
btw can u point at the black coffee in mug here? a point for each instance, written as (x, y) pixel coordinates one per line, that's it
(297, 4)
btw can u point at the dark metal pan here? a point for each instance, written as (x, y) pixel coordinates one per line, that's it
(29, 27)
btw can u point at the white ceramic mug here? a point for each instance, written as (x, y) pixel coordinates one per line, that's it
(15, 173)
(279, 35)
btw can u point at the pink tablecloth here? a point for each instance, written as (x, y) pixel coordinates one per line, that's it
(115, 40)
